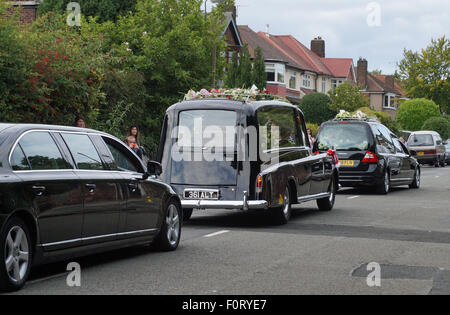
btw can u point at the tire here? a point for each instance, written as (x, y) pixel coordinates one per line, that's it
(16, 250)
(416, 182)
(443, 162)
(384, 187)
(282, 215)
(187, 214)
(327, 204)
(170, 234)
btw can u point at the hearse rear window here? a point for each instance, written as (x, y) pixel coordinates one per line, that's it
(344, 137)
(207, 129)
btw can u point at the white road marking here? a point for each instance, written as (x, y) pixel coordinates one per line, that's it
(217, 233)
(353, 197)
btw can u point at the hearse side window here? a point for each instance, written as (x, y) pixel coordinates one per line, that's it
(383, 140)
(42, 152)
(18, 160)
(280, 120)
(83, 151)
(398, 146)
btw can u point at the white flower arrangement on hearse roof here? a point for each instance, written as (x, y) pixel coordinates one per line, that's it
(237, 94)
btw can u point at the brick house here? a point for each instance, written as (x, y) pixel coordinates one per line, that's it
(28, 11)
(293, 70)
(383, 91)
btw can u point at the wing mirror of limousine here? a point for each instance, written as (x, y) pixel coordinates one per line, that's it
(153, 169)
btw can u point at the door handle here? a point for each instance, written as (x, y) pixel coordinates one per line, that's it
(133, 187)
(91, 188)
(39, 190)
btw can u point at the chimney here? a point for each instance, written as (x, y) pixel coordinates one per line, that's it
(318, 46)
(361, 75)
(234, 13)
(267, 30)
(389, 83)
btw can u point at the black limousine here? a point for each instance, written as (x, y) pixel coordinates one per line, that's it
(219, 153)
(67, 192)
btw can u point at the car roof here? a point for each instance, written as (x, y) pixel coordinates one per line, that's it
(425, 132)
(20, 128)
(209, 103)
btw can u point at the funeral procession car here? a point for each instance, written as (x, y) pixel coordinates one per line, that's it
(221, 153)
(67, 192)
(370, 155)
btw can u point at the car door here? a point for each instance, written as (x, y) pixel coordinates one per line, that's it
(406, 173)
(144, 198)
(53, 189)
(393, 162)
(102, 195)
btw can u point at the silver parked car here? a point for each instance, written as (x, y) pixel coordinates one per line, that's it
(427, 147)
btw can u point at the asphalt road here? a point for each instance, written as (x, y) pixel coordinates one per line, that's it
(407, 232)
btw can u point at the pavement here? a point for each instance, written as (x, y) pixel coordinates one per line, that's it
(407, 233)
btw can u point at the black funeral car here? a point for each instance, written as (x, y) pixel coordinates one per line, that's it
(369, 153)
(67, 192)
(243, 155)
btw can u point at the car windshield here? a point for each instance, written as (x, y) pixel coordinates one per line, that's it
(344, 137)
(447, 145)
(421, 140)
(207, 129)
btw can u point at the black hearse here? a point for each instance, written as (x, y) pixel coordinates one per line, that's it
(219, 153)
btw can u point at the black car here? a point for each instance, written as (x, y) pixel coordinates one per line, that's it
(369, 154)
(263, 158)
(67, 192)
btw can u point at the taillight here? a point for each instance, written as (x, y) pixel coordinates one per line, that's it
(259, 182)
(370, 157)
(316, 153)
(430, 152)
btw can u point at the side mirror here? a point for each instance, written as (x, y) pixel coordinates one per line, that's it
(153, 169)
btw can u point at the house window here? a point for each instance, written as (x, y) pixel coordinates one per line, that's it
(324, 85)
(390, 101)
(293, 81)
(306, 81)
(275, 73)
(336, 83)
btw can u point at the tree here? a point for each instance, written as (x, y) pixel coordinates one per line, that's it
(233, 71)
(438, 124)
(104, 10)
(426, 73)
(259, 69)
(316, 108)
(412, 114)
(347, 97)
(244, 77)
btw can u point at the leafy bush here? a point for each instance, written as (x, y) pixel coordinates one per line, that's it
(104, 10)
(316, 108)
(382, 117)
(412, 114)
(347, 97)
(438, 124)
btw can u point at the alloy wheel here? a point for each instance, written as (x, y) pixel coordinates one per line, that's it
(17, 254)
(173, 225)
(286, 203)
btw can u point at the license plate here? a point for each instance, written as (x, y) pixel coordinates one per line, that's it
(347, 163)
(420, 153)
(201, 194)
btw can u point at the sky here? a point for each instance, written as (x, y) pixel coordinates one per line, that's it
(375, 30)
